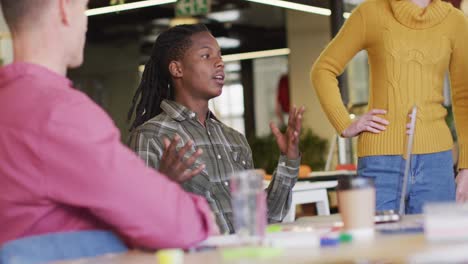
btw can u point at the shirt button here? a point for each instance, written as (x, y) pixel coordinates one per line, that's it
(243, 162)
(219, 156)
(209, 134)
(226, 183)
(192, 115)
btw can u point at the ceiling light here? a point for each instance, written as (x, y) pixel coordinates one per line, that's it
(295, 6)
(141, 68)
(225, 16)
(161, 22)
(353, 2)
(128, 6)
(150, 37)
(232, 67)
(183, 20)
(228, 43)
(246, 56)
(298, 7)
(256, 54)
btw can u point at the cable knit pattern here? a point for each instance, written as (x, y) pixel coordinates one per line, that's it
(410, 51)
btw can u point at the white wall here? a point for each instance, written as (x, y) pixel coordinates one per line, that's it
(267, 72)
(109, 76)
(308, 34)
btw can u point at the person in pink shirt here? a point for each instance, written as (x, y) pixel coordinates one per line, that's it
(62, 165)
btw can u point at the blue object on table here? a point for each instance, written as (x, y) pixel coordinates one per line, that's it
(329, 242)
(60, 246)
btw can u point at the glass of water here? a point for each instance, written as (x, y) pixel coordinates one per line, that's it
(248, 200)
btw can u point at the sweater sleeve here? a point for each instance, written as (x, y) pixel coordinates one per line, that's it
(459, 85)
(332, 62)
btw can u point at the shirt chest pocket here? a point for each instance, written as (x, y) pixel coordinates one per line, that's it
(241, 158)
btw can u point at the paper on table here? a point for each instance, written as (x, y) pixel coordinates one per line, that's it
(446, 221)
(221, 241)
(448, 254)
(293, 239)
(285, 239)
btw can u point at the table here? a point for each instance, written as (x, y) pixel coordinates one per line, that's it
(400, 248)
(328, 175)
(310, 192)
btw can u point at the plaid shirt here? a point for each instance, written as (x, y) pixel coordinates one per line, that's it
(224, 151)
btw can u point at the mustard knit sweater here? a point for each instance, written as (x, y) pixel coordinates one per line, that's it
(410, 50)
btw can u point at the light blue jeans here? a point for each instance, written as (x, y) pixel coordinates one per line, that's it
(431, 179)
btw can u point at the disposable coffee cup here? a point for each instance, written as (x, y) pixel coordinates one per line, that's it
(356, 203)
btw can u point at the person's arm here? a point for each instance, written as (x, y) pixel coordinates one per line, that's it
(279, 191)
(161, 153)
(459, 85)
(87, 166)
(332, 62)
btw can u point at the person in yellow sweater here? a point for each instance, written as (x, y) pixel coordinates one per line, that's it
(411, 45)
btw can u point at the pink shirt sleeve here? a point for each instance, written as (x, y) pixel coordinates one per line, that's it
(89, 167)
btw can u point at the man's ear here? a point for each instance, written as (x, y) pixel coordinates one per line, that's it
(175, 68)
(64, 7)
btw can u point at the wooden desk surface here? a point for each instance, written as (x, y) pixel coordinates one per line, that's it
(384, 249)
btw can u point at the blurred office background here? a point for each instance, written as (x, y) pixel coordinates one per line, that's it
(262, 40)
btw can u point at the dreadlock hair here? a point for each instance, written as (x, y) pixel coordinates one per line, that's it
(156, 83)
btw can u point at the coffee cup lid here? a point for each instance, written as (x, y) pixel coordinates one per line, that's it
(347, 183)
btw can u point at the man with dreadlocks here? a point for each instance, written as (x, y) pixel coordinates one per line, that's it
(184, 72)
(62, 166)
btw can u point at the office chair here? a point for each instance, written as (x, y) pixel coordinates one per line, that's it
(60, 246)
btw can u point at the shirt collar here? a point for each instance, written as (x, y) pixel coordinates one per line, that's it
(25, 68)
(179, 112)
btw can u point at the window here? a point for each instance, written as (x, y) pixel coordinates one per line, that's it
(229, 106)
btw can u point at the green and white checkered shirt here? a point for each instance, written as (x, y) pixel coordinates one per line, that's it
(224, 151)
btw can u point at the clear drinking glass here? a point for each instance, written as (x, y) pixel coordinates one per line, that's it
(248, 200)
